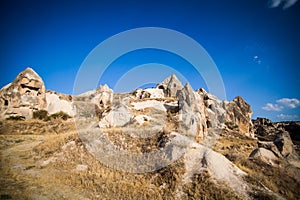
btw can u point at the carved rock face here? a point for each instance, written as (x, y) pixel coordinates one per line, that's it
(24, 95)
(170, 86)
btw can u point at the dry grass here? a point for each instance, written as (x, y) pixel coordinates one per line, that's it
(44, 164)
(47, 168)
(282, 179)
(203, 187)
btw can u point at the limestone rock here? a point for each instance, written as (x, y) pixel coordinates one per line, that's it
(215, 111)
(57, 102)
(281, 147)
(265, 155)
(188, 117)
(141, 119)
(238, 113)
(263, 127)
(117, 117)
(24, 95)
(284, 143)
(170, 86)
(148, 93)
(103, 96)
(270, 146)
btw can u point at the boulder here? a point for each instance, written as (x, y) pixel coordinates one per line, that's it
(24, 95)
(270, 146)
(264, 155)
(117, 117)
(57, 102)
(284, 143)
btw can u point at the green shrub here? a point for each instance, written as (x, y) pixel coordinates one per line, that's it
(41, 114)
(60, 115)
(15, 118)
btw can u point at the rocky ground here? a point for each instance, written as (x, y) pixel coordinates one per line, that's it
(37, 163)
(168, 142)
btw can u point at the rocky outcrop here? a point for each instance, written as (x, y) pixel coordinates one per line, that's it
(281, 148)
(24, 95)
(284, 144)
(238, 114)
(117, 117)
(189, 117)
(170, 86)
(57, 102)
(264, 155)
(148, 93)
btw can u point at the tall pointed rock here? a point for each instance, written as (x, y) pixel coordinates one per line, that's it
(24, 95)
(170, 86)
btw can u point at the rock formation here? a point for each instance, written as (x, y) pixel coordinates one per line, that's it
(199, 112)
(170, 86)
(164, 129)
(24, 95)
(57, 102)
(238, 114)
(27, 94)
(273, 139)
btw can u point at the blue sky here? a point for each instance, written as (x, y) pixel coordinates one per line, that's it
(254, 43)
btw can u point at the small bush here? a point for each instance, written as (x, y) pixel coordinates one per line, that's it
(60, 115)
(41, 114)
(15, 118)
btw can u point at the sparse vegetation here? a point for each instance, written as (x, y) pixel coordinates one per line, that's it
(44, 115)
(203, 187)
(16, 118)
(41, 114)
(60, 115)
(52, 151)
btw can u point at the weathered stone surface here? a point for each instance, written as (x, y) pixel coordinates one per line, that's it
(284, 143)
(170, 86)
(270, 146)
(281, 146)
(238, 113)
(265, 155)
(24, 95)
(148, 93)
(263, 127)
(103, 96)
(117, 117)
(57, 102)
(188, 117)
(215, 111)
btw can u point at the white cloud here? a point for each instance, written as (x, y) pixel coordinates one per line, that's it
(287, 117)
(274, 3)
(286, 3)
(289, 3)
(272, 107)
(282, 104)
(289, 103)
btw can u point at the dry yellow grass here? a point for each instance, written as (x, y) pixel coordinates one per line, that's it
(47, 165)
(47, 168)
(283, 179)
